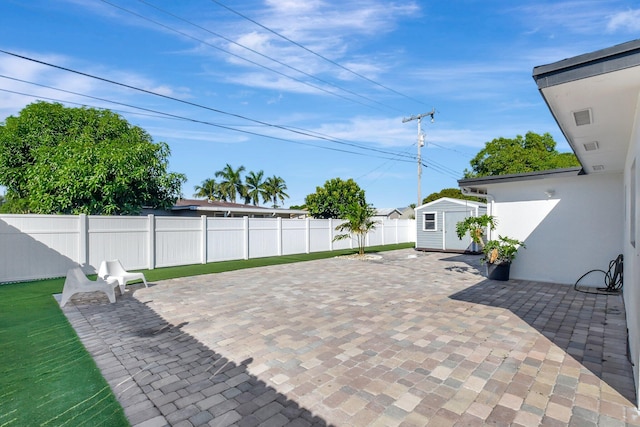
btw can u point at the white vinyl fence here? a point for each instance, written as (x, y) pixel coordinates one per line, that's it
(41, 246)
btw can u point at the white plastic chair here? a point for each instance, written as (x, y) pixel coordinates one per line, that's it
(115, 271)
(77, 282)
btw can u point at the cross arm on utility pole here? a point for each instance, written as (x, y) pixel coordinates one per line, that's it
(419, 117)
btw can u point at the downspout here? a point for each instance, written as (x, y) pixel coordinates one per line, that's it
(490, 212)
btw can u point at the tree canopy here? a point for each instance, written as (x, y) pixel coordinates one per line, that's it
(56, 159)
(454, 193)
(331, 200)
(504, 156)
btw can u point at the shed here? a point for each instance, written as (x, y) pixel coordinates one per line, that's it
(436, 224)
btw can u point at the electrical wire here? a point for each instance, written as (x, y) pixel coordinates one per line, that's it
(235, 55)
(316, 53)
(172, 98)
(311, 133)
(257, 53)
(174, 116)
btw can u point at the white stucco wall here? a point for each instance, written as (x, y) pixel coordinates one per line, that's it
(574, 230)
(631, 289)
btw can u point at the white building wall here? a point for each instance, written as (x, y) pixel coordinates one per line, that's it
(631, 244)
(574, 229)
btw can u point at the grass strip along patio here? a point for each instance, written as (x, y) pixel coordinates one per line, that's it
(47, 378)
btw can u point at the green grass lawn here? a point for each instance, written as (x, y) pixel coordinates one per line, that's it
(47, 378)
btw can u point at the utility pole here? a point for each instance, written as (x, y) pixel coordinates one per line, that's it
(420, 144)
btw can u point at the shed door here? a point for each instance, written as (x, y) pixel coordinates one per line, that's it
(451, 241)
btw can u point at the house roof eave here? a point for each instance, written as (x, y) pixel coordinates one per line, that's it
(483, 182)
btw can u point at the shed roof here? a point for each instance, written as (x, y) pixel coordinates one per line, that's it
(461, 202)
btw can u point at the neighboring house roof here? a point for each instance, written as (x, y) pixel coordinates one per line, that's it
(407, 213)
(460, 202)
(387, 211)
(593, 98)
(231, 208)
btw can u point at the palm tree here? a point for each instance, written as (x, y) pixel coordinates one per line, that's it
(208, 188)
(231, 184)
(274, 188)
(358, 222)
(255, 188)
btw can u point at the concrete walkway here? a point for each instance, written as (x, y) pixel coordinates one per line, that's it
(410, 339)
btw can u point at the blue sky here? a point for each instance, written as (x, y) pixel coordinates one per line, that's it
(308, 90)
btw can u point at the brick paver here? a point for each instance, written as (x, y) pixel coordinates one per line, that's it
(410, 339)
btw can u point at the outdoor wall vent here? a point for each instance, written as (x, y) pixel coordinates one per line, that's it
(591, 146)
(582, 117)
(597, 168)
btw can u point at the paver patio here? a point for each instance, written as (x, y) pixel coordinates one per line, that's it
(411, 339)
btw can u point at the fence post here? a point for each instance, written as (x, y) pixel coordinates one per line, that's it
(152, 242)
(330, 234)
(382, 230)
(279, 237)
(83, 240)
(397, 222)
(246, 236)
(307, 247)
(205, 236)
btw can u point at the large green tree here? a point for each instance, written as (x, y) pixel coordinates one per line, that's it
(530, 153)
(55, 159)
(331, 200)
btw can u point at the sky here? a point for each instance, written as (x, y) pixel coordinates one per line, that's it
(307, 90)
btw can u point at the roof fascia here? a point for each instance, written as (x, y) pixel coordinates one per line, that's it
(499, 179)
(592, 64)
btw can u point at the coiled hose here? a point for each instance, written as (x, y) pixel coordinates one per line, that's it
(612, 278)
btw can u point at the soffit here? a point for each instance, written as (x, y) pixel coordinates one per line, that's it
(611, 101)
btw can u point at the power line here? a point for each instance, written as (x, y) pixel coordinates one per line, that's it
(315, 53)
(174, 116)
(159, 114)
(172, 98)
(238, 56)
(257, 53)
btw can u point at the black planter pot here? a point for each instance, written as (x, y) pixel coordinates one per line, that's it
(498, 271)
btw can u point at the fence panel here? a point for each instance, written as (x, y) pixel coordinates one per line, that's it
(375, 237)
(178, 241)
(40, 246)
(263, 237)
(294, 236)
(225, 239)
(389, 229)
(35, 247)
(118, 237)
(319, 235)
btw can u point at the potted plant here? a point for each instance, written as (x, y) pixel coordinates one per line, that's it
(475, 226)
(498, 255)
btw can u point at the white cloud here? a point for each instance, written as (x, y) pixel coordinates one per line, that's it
(628, 21)
(575, 16)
